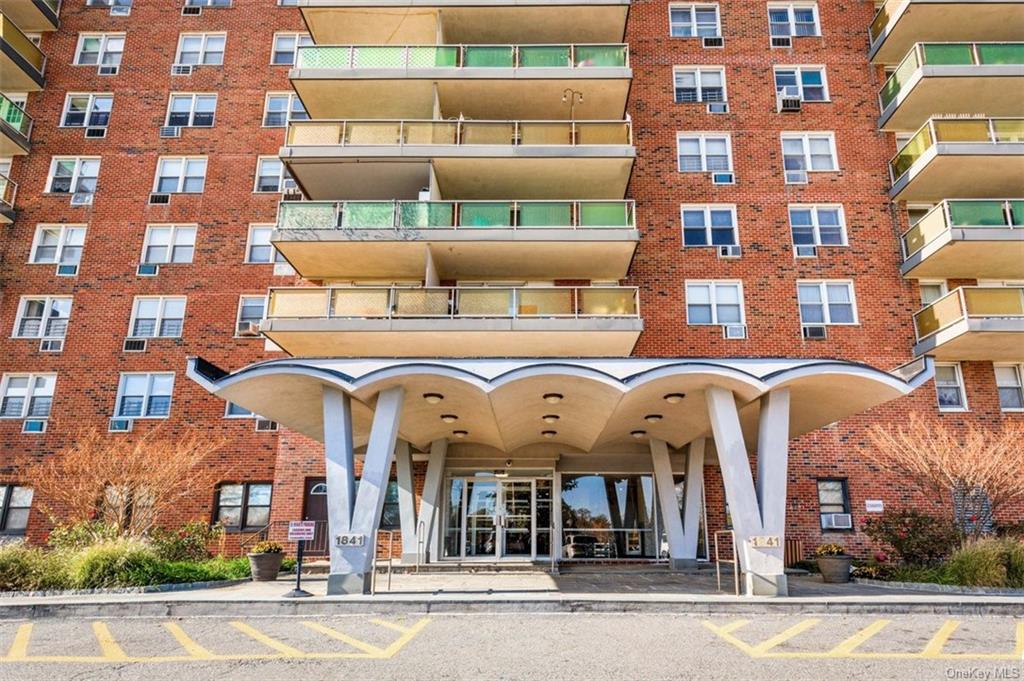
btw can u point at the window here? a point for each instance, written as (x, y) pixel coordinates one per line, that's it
(191, 111)
(259, 249)
(73, 175)
(243, 506)
(813, 152)
(58, 244)
(690, 21)
(144, 395)
(796, 19)
(99, 49)
(1010, 383)
(826, 302)
(15, 502)
(286, 46)
(833, 497)
(806, 82)
(390, 516)
(180, 175)
(27, 395)
(272, 176)
(282, 107)
(949, 387)
(704, 152)
(714, 302)
(233, 411)
(705, 84)
(250, 311)
(201, 48)
(709, 225)
(169, 244)
(931, 291)
(87, 111)
(42, 317)
(160, 317)
(819, 225)
(208, 3)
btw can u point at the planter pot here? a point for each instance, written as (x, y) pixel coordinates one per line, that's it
(265, 566)
(835, 569)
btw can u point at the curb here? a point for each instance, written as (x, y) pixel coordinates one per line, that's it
(939, 588)
(152, 589)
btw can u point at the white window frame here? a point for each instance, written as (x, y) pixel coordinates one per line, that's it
(275, 255)
(182, 176)
(697, 72)
(76, 173)
(202, 49)
(941, 283)
(799, 69)
(93, 96)
(692, 7)
(62, 243)
(702, 138)
(284, 180)
(229, 415)
(816, 222)
(805, 141)
(706, 208)
(175, 229)
(297, 36)
(292, 98)
(238, 315)
(959, 385)
(1018, 370)
(160, 315)
(147, 395)
(30, 392)
(713, 286)
(105, 38)
(48, 304)
(789, 7)
(823, 285)
(192, 108)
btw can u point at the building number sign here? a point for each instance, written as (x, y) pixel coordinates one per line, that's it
(351, 540)
(772, 542)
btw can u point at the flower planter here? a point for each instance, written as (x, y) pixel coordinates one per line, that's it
(265, 566)
(835, 569)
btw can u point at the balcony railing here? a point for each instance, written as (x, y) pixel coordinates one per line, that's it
(14, 116)
(454, 302)
(463, 133)
(963, 214)
(966, 302)
(948, 54)
(461, 56)
(13, 36)
(8, 190)
(954, 131)
(882, 17)
(467, 215)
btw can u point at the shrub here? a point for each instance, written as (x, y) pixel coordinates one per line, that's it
(267, 547)
(1014, 530)
(980, 563)
(81, 535)
(190, 542)
(118, 563)
(915, 537)
(1014, 562)
(827, 550)
(25, 568)
(215, 569)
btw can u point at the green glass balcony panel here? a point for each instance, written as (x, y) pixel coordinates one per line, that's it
(368, 215)
(600, 55)
(1017, 213)
(901, 75)
(1001, 53)
(948, 54)
(973, 213)
(425, 214)
(545, 214)
(911, 151)
(324, 57)
(1008, 129)
(485, 215)
(14, 116)
(307, 216)
(488, 56)
(604, 214)
(536, 56)
(433, 57)
(381, 57)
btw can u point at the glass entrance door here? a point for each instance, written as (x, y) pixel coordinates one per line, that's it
(495, 518)
(516, 518)
(481, 518)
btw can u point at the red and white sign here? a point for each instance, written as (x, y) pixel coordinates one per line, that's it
(301, 530)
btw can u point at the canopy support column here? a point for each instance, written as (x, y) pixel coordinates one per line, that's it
(406, 500)
(669, 505)
(693, 498)
(431, 498)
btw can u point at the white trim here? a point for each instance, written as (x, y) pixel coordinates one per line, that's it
(805, 138)
(48, 305)
(30, 391)
(1018, 370)
(941, 283)
(160, 315)
(698, 70)
(707, 208)
(146, 395)
(823, 285)
(76, 172)
(62, 242)
(693, 6)
(104, 39)
(790, 6)
(182, 173)
(238, 315)
(799, 69)
(172, 243)
(960, 385)
(205, 36)
(292, 98)
(816, 221)
(297, 35)
(93, 96)
(713, 285)
(702, 138)
(191, 109)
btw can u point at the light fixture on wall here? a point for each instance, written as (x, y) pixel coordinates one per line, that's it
(674, 398)
(449, 418)
(638, 433)
(552, 398)
(433, 398)
(549, 433)
(460, 433)
(653, 418)
(550, 418)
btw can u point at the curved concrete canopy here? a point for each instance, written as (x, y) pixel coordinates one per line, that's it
(500, 401)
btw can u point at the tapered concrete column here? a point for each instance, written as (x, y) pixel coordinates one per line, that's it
(693, 498)
(355, 559)
(340, 464)
(669, 506)
(406, 500)
(431, 498)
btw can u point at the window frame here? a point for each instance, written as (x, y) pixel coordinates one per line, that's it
(713, 286)
(192, 109)
(707, 208)
(228, 415)
(791, 16)
(102, 51)
(6, 506)
(799, 69)
(283, 177)
(693, 6)
(30, 393)
(698, 71)
(295, 35)
(160, 318)
(847, 505)
(292, 98)
(816, 223)
(702, 138)
(76, 174)
(243, 506)
(238, 316)
(805, 140)
(175, 229)
(92, 97)
(62, 243)
(941, 283)
(48, 302)
(275, 255)
(823, 285)
(147, 395)
(182, 177)
(1018, 371)
(960, 386)
(205, 35)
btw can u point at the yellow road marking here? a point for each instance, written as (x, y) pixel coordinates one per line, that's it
(410, 632)
(371, 650)
(108, 644)
(1020, 641)
(391, 625)
(258, 635)
(938, 642)
(19, 647)
(858, 639)
(725, 632)
(185, 641)
(784, 636)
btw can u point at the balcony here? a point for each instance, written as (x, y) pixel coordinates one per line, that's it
(973, 323)
(15, 128)
(381, 159)
(462, 239)
(465, 21)
(953, 78)
(977, 157)
(8, 190)
(475, 81)
(34, 16)
(901, 23)
(587, 321)
(21, 62)
(967, 239)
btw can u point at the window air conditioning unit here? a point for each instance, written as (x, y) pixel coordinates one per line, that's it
(837, 521)
(787, 103)
(51, 345)
(266, 426)
(107, 69)
(119, 425)
(248, 329)
(95, 133)
(816, 332)
(805, 251)
(191, 11)
(782, 41)
(120, 10)
(182, 69)
(718, 107)
(734, 331)
(713, 41)
(169, 131)
(81, 199)
(159, 199)
(33, 426)
(723, 178)
(134, 345)
(67, 270)
(147, 269)
(729, 251)
(796, 177)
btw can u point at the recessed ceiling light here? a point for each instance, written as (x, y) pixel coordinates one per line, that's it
(550, 418)
(433, 398)
(638, 433)
(553, 398)
(460, 433)
(653, 418)
(549, 433)
(449, 418)
(674, 398)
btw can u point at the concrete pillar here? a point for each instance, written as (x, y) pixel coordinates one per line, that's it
(406, 500)
(431, 499)
(430, 277)
(355, 560)
(669, 506)
(693, 498)
(340, 464)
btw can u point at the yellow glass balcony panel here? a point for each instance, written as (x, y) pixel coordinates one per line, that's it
(315, 133)
(601, 132)
(1008, 129)
(13, 36)
(360, 302)
(298, 303)
(372, 132)
(479, 132)
(961, 130)
(430, 133)
(994, 302)
(422, 302)
(607, 301)
(545, 133)
(485, 302)
(546, 302)
(939, 315)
